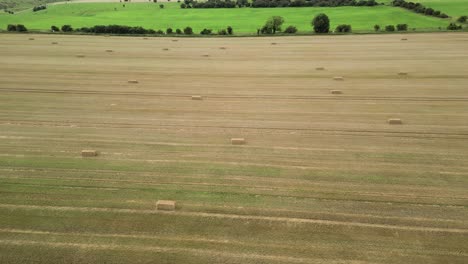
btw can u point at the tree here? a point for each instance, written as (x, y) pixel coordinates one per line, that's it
(178, 31)
(54, 29)
(67, 28)
(273, 24)
(429, 11)
(376, 27)
(390, 28)
(290, 30)
(222, 32)
(462, 19)
(188, 31)
(161, 6)
(11, 27)
(230, 30)
(183, 5)
(321, 23)
(169, 31)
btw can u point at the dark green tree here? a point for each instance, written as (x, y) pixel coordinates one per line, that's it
(321, 23)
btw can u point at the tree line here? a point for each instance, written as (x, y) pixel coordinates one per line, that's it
(275, 3)
(419, 8)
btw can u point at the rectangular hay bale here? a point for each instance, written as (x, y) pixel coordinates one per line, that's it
(320, 68)
(197, 97)
(395, 121)
(132, 81)
(238, 141)
(165, 205)
(89, 153)
(403, 73)
(338, 78)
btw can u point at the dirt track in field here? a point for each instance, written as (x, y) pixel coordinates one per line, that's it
(322, 173)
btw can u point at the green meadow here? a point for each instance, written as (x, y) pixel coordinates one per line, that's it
(243, 20)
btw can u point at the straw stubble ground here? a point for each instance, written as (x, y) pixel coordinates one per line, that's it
(323, 178)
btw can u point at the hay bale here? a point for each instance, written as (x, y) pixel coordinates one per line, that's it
(80, 55)
(238, 141)
(89, 153)
(404, 39)
(205, 55)
(336, 92)
(175, 40)
(403, 73)
(145, 38)
(197, 97)
(395, 121)
(223, 48)
(31, 38)
(109, 50)
(274, 43)
(132, 81)
(320, 68)
(338, 78)
(166, 49)
(54, 43)
(165, 205)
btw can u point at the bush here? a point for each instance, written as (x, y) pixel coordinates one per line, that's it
(161, 6)
(159, 32)
(39, 8)
(206, 31)
(222, 32)
(443, 15)
(169, 31)
(230, 30)
(67, 28)
(11, 27)
(462, 19)
(178, 31)
(321, 23)
(390, 28)
(343, 28)
(290, 30)
(183, 5)
(453, 26)
(402, 27)
(21, 28)
(188, 31)
(376, 27)
(54, 29)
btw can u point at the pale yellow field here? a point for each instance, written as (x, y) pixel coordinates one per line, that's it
(323, 178)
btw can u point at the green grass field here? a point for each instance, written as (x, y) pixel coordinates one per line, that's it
(245, 20)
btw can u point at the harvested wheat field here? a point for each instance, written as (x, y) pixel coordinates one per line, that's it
(323, 178)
